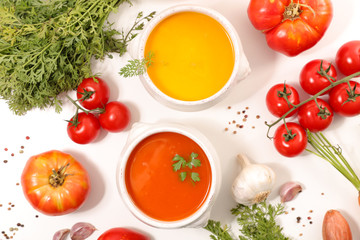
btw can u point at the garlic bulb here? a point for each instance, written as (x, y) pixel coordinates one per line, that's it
(254, 183)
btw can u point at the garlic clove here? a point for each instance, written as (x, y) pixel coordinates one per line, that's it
(289, 190)
(81, 231)
(61, 234)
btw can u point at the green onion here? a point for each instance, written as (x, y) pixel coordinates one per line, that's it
(333, 154)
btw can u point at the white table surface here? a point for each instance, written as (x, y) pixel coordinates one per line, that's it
(104, 207)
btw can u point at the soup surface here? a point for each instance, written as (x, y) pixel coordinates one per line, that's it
(154, 186)
(193, 56)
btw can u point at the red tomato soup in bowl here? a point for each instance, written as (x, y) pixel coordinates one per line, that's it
(168, 177)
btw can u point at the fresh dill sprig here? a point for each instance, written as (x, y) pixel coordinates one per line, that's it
(256, 222)
(218, 232)
(46, 48)
(137, 67)
(134, 30)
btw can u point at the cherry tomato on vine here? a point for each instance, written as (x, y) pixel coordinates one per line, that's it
(292, 143)
(275, 99)
(348, 58)
(93, 93)
(311, 117)
(55, 183)
(116, 117)
(84, 129)
(345, 100)
(317, 75)
(291, 27)
(122, 234)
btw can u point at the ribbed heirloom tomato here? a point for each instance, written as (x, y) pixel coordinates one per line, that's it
(291, 26)
(55, 183)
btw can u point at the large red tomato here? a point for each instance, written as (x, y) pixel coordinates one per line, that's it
(55, 183)
(291, 26)
(122, 234)
(312, 117)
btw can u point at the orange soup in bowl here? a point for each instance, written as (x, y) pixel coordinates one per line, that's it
(193, 56)
(163, 186)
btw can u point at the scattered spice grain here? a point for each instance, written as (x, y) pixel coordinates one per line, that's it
(298, 219)
(27, 138)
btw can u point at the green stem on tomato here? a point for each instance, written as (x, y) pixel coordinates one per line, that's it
(332, 84)
(325, 150)
(96, 110)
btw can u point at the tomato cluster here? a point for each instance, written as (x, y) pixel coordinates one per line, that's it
(93, 95)
(328, 96)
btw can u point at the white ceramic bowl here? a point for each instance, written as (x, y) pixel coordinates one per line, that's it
(240, 71)
(139, 132)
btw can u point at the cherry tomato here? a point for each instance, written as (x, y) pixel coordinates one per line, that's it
(344, 100)
(115, 118)
(277, 105)
(348, 58)
(122, 234)
(313, 76)
(291, 27)
(55, 183)
(93, 94)
(290, 146)
(315, 119)
(85, 129)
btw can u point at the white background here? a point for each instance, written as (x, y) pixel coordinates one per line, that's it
(104, 207)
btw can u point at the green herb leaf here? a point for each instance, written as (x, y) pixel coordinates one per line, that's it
(181, 163)
(182, 176)
(219, 232)
(195, 177)
(256, 222)
(137, 67)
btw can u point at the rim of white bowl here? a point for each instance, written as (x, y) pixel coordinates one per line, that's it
(197, 137)
(190, 8)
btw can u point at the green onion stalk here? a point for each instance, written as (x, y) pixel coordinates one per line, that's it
(333, 154)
